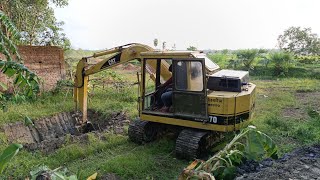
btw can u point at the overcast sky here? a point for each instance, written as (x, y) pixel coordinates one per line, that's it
(206, 24)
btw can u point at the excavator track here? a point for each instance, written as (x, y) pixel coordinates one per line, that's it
(143, 131)
(192, 142)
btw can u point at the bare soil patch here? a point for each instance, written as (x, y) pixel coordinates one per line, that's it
(305, 101)
(303, 163)
(309, 99)
(131, 67)
(50, 133)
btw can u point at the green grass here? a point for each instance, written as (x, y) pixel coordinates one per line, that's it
(275, 95)
(156, 160)
(114, 155)
(46, 105)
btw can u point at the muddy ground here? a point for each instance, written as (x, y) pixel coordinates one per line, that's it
(50, 133)
(303, 163)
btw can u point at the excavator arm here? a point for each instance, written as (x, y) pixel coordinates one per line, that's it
(116, 56)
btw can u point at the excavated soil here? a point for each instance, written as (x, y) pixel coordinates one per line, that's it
(303, 163)
(50, 133)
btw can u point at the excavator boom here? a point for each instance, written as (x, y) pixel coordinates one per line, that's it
(116, 56)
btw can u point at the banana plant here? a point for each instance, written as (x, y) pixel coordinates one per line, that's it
(25, 81)
(7, 155)
(248, 144)
(44, 172)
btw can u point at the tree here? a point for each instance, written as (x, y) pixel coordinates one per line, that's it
(247, 57)
(155, 42)
(164, 45)
(300, 41)
(36, 22)
(281, 61)
(26, 80)
(174, 47)
(191, 48)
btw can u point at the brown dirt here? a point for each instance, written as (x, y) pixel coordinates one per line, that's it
(303, 163)
(295, 112)
(49, 133)
(309, 99)
(131, 67)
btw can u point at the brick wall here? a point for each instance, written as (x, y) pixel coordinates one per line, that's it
(46, 61)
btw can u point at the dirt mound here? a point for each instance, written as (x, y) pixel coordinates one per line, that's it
(303, 163)
(49, 133)
(131, 67)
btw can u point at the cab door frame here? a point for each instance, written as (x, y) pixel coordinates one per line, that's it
(187, 104)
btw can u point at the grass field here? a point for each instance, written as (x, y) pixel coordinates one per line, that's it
(286, 109)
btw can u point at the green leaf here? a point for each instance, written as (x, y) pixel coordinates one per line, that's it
(229, 172)
(23, 82)
(254, 148)
(30, 92)
(9, 71)
(3, 86)
(73, 177)
(8, 154)
(18, 79)
(28, 121)
(2, 63)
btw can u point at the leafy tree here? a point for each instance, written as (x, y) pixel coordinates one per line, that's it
(300, 41)
(155, 42)
(191, 48)
(36, 22)
(225, 51)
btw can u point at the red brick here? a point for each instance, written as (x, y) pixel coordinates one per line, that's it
(46, 61)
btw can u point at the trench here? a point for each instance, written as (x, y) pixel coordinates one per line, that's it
(50, 133)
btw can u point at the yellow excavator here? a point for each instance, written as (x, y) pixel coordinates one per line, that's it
(207, 102)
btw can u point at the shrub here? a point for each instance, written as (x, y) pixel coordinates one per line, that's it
(247, 57)
(308, 59)
(281, 62)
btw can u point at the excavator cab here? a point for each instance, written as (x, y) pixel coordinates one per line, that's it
(188, 88)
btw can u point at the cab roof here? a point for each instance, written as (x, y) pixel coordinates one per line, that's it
(210, 66)
(168, 53)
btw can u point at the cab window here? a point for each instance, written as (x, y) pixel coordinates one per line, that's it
(189, 76)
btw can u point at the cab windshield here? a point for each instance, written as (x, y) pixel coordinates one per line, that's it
(210, 65)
